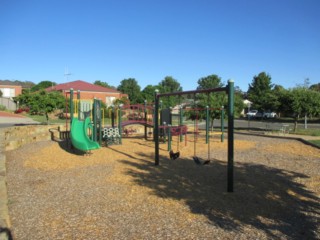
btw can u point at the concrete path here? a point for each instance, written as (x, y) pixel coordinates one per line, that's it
(10, 119)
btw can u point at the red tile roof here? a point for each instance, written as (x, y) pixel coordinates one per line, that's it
(82, 86)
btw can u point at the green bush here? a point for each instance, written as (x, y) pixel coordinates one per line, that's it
(2, 108)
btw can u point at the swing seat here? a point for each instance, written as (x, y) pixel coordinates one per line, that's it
(174, 156)
(198, 162)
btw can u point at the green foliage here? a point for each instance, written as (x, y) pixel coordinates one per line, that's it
(148, 93)
(103, 84)
(309, 132)
(131, 87)
(43, 85)
(238, 103)
(2, 108)
(300, 102)
(41, 102)
(169, 85)
(316, 142)
(315, 87)
(211, 81)
(260, 93)
(215, 100)
(1, 94)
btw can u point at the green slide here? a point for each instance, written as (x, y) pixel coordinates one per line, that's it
(79, 137)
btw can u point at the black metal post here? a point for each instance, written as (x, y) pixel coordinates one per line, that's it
(156, 127)
(230, 134)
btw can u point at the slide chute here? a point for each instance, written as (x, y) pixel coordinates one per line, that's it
(79, 135)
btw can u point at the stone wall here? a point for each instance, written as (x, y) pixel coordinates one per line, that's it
(13, 138)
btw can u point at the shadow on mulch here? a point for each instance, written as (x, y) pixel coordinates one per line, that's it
(265, 198)
(66, 145)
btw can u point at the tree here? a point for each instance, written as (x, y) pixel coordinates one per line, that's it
(1, 93)
(315, 87)
(214, 100)
(278, 92)
(301, 102)
(169, 85)
(103, 84)
(260, 92)
(211, 81)
(148, 93)
(42, 102)
(43, 85)
(131, 87)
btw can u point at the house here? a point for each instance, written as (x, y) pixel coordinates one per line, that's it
(247, 104)
(10, 91)
(89, 91)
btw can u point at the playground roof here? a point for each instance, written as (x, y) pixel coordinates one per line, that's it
(82, 86)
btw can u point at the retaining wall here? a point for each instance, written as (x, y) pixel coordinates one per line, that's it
(10, 139)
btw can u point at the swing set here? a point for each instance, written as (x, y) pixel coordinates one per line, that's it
(229, 89)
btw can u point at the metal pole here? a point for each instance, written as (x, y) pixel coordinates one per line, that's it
(207, 124)
(71, 104)
(169, 137)
(145, 120)
(119, 122)
(230, 134)
(156, 127)
(79, 104)
(100, 122)
(112, 116)
(222, 123)
(94, 134)
(181, 122)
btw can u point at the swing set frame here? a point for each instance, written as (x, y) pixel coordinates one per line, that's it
(229, 89)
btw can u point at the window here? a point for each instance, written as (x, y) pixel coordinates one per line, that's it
(8, 92)
(109, 100)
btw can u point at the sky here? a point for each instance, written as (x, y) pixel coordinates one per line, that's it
(112, 40)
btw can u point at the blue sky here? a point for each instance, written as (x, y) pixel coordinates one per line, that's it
(110, 40)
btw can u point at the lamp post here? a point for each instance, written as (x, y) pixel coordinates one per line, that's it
(249, 105)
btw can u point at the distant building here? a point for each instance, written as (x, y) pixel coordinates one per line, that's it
(248, 105)
(10, 91)
(89, 91)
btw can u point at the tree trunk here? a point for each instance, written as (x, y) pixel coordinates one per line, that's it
(296, 123)
(212, 121)
(47, 117)
(305, 121)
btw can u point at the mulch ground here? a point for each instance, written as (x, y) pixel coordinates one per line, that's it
(118, 193)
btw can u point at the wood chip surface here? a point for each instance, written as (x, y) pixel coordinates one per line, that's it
(118, 193)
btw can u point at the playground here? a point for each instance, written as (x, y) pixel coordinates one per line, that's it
(146, 176)
(118, 193)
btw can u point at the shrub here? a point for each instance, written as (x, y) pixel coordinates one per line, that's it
(2, 108)
(23, 109)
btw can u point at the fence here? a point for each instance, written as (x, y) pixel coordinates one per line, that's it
(8, 103)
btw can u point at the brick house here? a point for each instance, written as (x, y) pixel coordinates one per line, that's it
(89, 91)
(10, 91)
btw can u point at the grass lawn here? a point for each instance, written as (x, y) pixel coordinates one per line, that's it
(309, 132)
(42, 119)
(316, 142)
